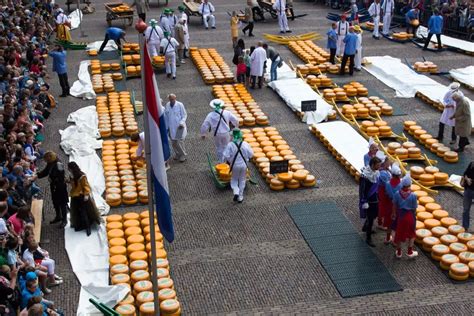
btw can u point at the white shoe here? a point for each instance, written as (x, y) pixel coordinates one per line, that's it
(413, 254)
(240, 198)
(183, 62)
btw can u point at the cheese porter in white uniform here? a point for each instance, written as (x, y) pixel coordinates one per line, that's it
(342, 28)
(388, 7)
(280, 7)
(374, 11)
(153, 36)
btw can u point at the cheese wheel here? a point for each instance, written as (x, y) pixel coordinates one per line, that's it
(448, 239)
(115, 233)
(420, 225)
(292, 184)
(407, 124)
(142, 286)
(423, 216)
(165, 283)
(441, 177)
(165, 294)
(158, 237)
(414, 152)
(447, 260)
(129, 299)
(466, 257)
(133, 231)
(117, 250)
(465, 237)
(169, 307)
(118, 259)
(448, 221)
(426, 178)
(120, 278)
(144, 297)
(425, 200)
(119, 269)
(138, 265)
(140, 275)
(160, 253)
(117, 242)
(162, 263)
(439, 214)
(457, 247)
(431, 207)
(431, 223)
(131, 223)
(456, 229)
(470, 245)
(401, 153)
(159, 245)
(114, 225)
(460, 269)
(421, 234)
(135, 247)
(126, 310)
(407, 145)
(419, 194)
(144, 214)
(420, 208)
(437, 251)
(162, 273)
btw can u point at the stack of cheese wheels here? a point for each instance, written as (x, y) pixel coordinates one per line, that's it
(133, 71)
(212, 66)
(309, 52)
(268, 146)
(426, 66)
(128, 48)
(92, 52)
(158, 61)
(320, 81)
(240, 102)
(355, 88)
(125, 179)
(370, 25)
(116, 115)
(103, 83)
(402, 35)
(131, 60)
(95, 67)
(223, 172)
(130, 262)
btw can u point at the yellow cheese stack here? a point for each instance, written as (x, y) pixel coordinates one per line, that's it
(212, 66)
(426, 66)
(240, 102)
(125, 179)
(116, 114)
(128, 48)
(102, 83)
(158, 61)
(309, 52)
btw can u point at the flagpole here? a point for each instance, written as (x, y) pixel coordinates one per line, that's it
(150, 188)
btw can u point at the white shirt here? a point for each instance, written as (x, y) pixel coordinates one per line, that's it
(448, 112)
(29, 258)
(61, 18)
(231, 153)
(206, 8)
(165, 23)
(212, 120)
(388, 6)
(359, 41)
(172, 19)
(374, 9)
(168, 49)
(342, 28)
(257, 59)
(175, 117)
(280, 5)
(154, 34)
(141, 145)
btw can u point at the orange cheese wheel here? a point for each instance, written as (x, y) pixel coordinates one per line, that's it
(131, 223)
(441, 177)
(465, 237)
(448, 221)
(430, 207)
(140, 275)
(138, 255)
(429, 242)
(114, 225)
(133, 231)
(169, 306)
(135, 247)
(115, 233)
(138, 265)
(457, 247)
(430, 223)
(162, 273)
(119, 269)
(117, 250)
(129, 299)
(439, 231)
(456, 229)
(466, 257)
(144, 297)
(118, 259)
(423, 216)
(117, 242)
(135, 239)
(120, 278)
(165, 294)
(126, 310)
(162, 263)
(448, 239)
(437, 251)
(425, 200)
(439, 214)
(470, 245)
(165, 283)
(142, 286)
(447, 260)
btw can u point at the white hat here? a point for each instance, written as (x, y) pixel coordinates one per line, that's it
(29, 83)
(372, 142)
(406, 181)
(396, 171)
(215, 102)
(381, 155)
(454, 86)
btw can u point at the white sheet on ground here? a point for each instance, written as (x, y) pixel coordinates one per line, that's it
(405, 81)
(75, 17)
(82, 87)
(293, 91)
(96, 45)
(464, 75)
(346, 140)
(284, 72)
(89, 257)
(448, 41)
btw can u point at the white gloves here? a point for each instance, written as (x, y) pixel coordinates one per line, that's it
(365, 206)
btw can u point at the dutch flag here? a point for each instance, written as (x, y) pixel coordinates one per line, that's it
(160, 150)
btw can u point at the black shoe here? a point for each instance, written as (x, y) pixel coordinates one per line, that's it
(244, 32)
(236, 197)
(289, 31)
(251, 35)
(207, 28)
(174, 78)
(370, 243)
(56, 220)
(282, 32)
(424, 48)
(213, 27)
(168, 75)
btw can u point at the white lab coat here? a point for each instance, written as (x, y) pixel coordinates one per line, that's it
(184, 17)
(448, 112)
(257, 60)
(358, 56)
(172, 20)
(153, 36)
(280, 7)
(341, 29)
(170, 54)
(141, 145)
(239, 169)
(207, 12)
(388, 7)
(165, 23)
(222, 136)
(175, 117)
(374, 11)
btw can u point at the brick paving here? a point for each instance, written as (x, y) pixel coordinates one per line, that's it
(250, 258)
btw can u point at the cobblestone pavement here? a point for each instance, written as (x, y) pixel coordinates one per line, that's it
(250, 258)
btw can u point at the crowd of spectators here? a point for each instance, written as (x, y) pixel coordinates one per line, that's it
(26, 270)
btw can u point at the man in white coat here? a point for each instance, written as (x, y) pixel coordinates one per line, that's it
(342, 28)
(183, 16)
(172, 21)
(165, 21)
(207, 11)
(280, 7)
(153, 36)
(169, 46)
(237, 154)
(358, 56)
(257, 62)
(374, 11)
(448, 112)
(219, 123)
(388, 7)
(175, 117)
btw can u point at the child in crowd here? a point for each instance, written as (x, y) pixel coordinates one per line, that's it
(241, 70)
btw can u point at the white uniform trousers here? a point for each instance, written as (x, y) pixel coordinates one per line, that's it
(154, 48)
(376, 26)
(209, 18)
(221, 140)
(283, 21)
(179, 150)
(340, 45)
(358, 59)
(170, 62)
(387, 18)
(238, 180)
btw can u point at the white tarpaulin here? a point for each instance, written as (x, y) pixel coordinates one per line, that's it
(89, 257)
(284, 72)
(448, 41)
(75, 17)
(82, 87)
(96, 45)
(293, 91)
(346, 141)
(405, 81)
(464, 75)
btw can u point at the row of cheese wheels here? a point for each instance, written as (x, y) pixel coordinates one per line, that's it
(402, 35)
(125, 179)
(241, 103)
(405, 150)
(134, 59)
(134, 71)
(116, 114)
(129, 242)
(433, 102)
(370, 25)
(429, 176)
(440, 234)
(426, 66)
(97, 67)
(128, 48)
(319, 81)
(376, 128)
(309, 52)
(103, 83)
(366, 107)
(269, 146)
(430, 142)
(346, 164)
(211, 66)
(122, 8)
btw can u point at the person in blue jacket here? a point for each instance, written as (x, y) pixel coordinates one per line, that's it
(435, 25)
(350, 49)
(412, 19)
(332, 42)
(115, 34)
(60, 67)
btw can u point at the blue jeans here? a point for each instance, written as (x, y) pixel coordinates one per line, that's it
(467, 203)
(273, 69)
